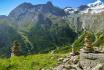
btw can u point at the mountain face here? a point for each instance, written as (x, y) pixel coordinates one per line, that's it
(28, 12)
(7, 35)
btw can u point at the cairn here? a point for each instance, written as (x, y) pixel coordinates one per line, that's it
(89, 59)
(16, 51)
(88, 43)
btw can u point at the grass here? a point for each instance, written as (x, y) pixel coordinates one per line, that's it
(31, 62)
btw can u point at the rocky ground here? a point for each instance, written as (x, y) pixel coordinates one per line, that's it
(82, 61)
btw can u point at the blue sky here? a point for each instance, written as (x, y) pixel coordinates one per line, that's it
(7, 5)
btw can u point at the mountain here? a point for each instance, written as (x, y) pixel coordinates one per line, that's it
(44, 27)
(28, 12)
(38, 28)
(3, 16)
(83, 7)
(89, 17)
(93, 8)
(70, 10)
(96, 7)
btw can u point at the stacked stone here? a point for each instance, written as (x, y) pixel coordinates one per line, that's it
(16, 51)
(88, 43)
(89, 60)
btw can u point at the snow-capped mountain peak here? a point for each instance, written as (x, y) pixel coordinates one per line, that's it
(70, 10)
(92, 8)
(97, 3)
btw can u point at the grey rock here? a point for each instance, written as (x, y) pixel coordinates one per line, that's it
(90, 60)
(65, 60)
(74, 59)
(99, 67)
